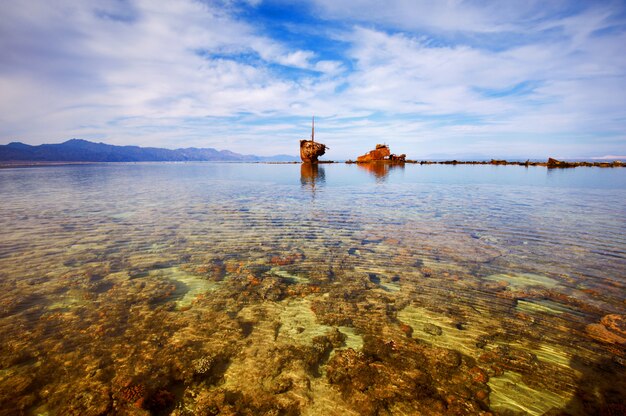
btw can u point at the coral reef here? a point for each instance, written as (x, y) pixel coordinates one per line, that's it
(227, 301)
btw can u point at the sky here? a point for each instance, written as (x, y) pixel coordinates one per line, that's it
(503, 79)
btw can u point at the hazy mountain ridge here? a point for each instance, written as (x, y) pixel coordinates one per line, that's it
(78, 150)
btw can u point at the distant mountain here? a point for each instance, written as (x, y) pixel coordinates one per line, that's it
(77, 150)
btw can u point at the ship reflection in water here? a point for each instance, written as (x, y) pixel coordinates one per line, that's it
(380, 169)
(311, 174)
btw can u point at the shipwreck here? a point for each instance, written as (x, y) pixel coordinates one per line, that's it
(381, 153)
(310, 150)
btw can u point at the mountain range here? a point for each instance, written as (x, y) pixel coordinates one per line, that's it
(77, 150)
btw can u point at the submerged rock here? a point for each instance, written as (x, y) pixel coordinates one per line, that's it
(611, 329)
(432, 329)
(405, 377)
(615, 323)
(202, 365)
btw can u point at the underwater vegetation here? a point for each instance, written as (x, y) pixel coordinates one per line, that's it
(238, 305)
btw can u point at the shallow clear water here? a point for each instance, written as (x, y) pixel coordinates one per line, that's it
(285, 289)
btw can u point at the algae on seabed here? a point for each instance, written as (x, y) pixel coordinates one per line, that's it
(510, 394)
(522, 280)
(188, 286)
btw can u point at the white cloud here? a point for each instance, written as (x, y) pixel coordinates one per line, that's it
(190, 73)
(410, 14)
(145, 67)
(299, 59)
(329, 67)
(609, 157)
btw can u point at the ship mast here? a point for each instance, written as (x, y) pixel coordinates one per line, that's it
(313, 129)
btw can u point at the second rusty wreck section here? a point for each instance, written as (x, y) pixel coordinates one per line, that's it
(380, 153)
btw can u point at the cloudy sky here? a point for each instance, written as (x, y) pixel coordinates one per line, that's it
(511, 79)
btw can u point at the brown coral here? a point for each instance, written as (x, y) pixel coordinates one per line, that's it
(134, 393)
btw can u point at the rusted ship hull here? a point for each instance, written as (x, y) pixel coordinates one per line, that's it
(310, 150)
(381, 154)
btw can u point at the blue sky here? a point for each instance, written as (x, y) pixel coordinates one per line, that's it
(510, 79)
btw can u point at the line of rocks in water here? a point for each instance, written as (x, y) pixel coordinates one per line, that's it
(551, 163)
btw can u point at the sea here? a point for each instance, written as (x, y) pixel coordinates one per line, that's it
(330, 289)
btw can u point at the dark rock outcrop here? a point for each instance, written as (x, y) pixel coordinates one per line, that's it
(553, 163)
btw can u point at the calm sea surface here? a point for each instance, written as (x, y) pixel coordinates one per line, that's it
(236, 289)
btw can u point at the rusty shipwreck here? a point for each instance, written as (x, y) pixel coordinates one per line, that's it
(310, 150)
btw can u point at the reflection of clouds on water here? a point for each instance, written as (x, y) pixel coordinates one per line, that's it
(311, 174)
(380, 169)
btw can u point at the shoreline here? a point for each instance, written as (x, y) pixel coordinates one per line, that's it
(34, 163)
